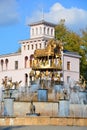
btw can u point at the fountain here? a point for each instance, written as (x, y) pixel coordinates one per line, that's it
(47, 69)
(78, 100)
(46, 79)
(9, 92)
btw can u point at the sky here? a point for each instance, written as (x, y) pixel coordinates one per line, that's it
(16, 15)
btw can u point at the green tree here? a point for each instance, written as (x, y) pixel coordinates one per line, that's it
(61, 31)
(84, 47)
(19, 49)
(75, 43)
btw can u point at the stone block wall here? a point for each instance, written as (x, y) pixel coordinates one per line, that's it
(44, 108)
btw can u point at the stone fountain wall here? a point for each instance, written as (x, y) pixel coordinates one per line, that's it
(49, 109)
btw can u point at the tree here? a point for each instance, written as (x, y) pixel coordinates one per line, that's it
(19, 49)
(84, 47)
(61, 31)
(75, 43)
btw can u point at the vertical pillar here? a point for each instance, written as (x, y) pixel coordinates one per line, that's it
(42, 95)
(8, 106)
(63, 109)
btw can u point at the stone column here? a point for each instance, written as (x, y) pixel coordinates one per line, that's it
(8, 106)
(42, 95)
(63, 109)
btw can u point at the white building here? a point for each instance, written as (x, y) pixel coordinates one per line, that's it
(18, 65)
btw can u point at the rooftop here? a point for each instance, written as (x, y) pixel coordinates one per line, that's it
(71, 53)
(42, 22)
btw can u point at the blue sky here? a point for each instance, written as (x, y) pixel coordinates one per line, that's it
(15, 15)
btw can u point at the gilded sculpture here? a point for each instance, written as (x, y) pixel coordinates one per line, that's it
(8, 84)
(47, 61)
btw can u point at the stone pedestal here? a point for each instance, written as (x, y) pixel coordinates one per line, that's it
(34, 114)
(8, 106)
(63, 109)
(42, 94)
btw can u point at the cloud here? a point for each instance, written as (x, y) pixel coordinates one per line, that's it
(8, 12)
(75, 18)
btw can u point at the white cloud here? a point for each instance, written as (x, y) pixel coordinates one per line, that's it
(75, 18)
(8, 12)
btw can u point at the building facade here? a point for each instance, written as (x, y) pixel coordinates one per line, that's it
(17, 66)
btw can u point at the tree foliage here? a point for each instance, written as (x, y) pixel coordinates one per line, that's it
(75, 43)
(84, 46)
(19, 49)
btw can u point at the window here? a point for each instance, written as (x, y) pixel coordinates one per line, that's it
(32, 47)
(48, 31)
(40, 45)
(24, 47)
(36, 31)
(40, 30)
(52, 32)
(44, 30)
(68, 65)
(45, 44)
(6, 63)
(68, 79)
(26, 61)
(28, 47)
(2, 62)
(36, 46)
(32, 31)
(16, 65)
(26, 79)
(31, 58)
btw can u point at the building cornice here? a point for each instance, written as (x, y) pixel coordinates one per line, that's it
(34, 39)
(10, 54)
(42, 22)
(71, 54)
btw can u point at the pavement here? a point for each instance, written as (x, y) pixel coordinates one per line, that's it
(42, 128)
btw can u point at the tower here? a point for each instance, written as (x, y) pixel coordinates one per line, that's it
(42, 29)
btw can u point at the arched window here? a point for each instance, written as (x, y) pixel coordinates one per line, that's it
(6, 63)
(31, 58)
(2, 62)
(26, 79)
(26, 61)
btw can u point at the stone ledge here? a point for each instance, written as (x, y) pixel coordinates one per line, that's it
(43, 120)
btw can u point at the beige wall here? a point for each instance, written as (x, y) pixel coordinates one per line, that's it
(48, 115)
(21, 121)
(44, 108)
(49, 109)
